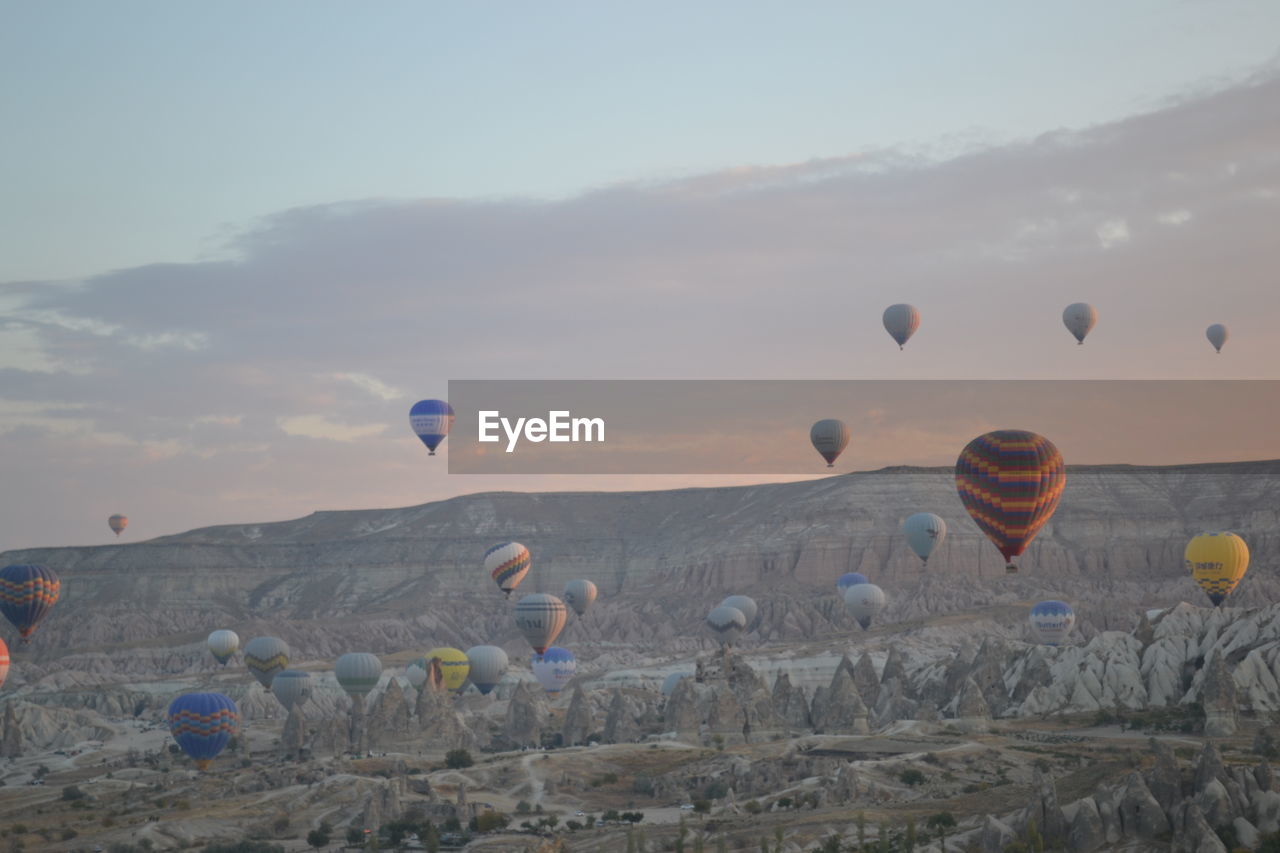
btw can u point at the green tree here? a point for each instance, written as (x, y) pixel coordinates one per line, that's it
(456, 759)
(355, 836)
(910, 842)
(882, 837)
(942, 823)
(778, 834)
(318, 838)
(702, 806)
(911, 776)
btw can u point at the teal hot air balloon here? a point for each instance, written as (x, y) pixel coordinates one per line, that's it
(488, 665)
(358, 673)
(203, 724)
(27, 594)
(292, 687)
(925, 532)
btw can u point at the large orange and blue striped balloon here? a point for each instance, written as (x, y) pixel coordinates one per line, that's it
(1010, 481)
(27, 594)
(203, 724)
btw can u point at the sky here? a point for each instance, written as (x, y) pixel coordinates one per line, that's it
(238, 240)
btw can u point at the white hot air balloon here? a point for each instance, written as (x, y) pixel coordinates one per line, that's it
(925, 532)
(554, 668)
(727, 624)
(541, 617)
(264, 657)
(1217, 335)
(223, 644)
(1080, 318)
(830, 437)
(358, 672)
(1052, 621)
(744, 603)
(580, 595)
(488, 665)
(864, 601)
(291, 687)
(901, 322)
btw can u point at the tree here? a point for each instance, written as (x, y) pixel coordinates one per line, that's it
(702, 806)
(72, 793)
(882, 837)
(910, 842)
(862, 832)
(911, 776)
(456, 759)
(831, 845)
(355, 836)
(942, 823)
(318, 838)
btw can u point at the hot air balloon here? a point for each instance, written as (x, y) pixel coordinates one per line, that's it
(1010, 481)
(118, 523)
(830, 437)
(579, 595)
(901, 322)
(358, 673)
(669, 683)
(264, 657)
(4, 662)
(507, 563)
(431, 420)
(849, 579)
(727, 624)
(1052, 621)
(1080, 318)
(203, 724)
(744, 603)
(864, 602)
(554, 668)
(1217, 561)
(27, 594)
(541, 617)
(223, 644)
(292, 687)
(453, 667)
(488, 665)
(1217, 335)
(925, 532)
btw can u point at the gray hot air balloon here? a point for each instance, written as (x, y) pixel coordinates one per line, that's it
(727, 624)
(579, 595)
(1080, 318)
(901, 322)
(830, 437)
(223, 644)
(669, 683)
(863, 602)
(292, 687)
(744, 603)
(358, 672)
(925, 532)
(1217, 335)
(541, 617)
(264, 657)
(488, 665)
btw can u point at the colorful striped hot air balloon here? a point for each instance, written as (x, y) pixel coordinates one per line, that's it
(507, 564)
(1010, 481)
(264, 657)
(541, 617)
(1217, 562)
(27, 594)
(203, 724)
(4, 662)
(118, 523)
(431, 420)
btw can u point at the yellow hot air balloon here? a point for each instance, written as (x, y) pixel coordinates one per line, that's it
(454, 666)
(1217, 561)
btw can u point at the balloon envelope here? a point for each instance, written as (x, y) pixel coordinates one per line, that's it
(358, 672)
(849, 579)
(27, 594)
(507, 564)
(4, 662)
(292, 687)
(223, 644)
(1217, 562)
(117, 523)
(554, 668)
(1217, 335)
(830, 437)
(453, 667)
(264, 657)
(1010, 481)
(541, 617)
(203, 724)
(727, 624)
(431, 420)
(925, 532)
(744, 603)
(580, 595)
(1052, 621)
(1080, 318)
(901, 322)
(488, 665)
(864, 602)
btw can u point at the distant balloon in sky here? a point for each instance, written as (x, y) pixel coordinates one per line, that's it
(849, 579)
(507, 564)
(1010, 481)
(540, 618)
(1217, 335)
(27, 594)
(1080, 318)
(431, 420)
(202, 724)
(580, 595)
(223, 644)
(726, 624)
(291, 687)
(118, 523)
(264, 657)
(1217, 562)
(744, 603)
(925, 532)
(830, 437)
(4, 662)
(488, 665)
(1052, 621)
(864, 602)
(554, 668)
(358, 672)
(901, 322)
